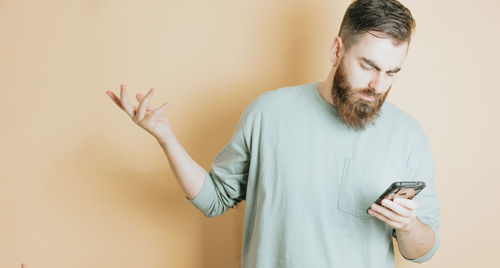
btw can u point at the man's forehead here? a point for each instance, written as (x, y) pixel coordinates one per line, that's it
(381, 51)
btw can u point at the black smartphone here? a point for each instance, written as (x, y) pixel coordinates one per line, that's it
(401, 189)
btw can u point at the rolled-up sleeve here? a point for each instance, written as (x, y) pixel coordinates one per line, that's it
(225, 184)
(427, 256)
(420, 167)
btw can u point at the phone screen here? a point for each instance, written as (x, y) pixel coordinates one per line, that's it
(402, 189)
(407, 193)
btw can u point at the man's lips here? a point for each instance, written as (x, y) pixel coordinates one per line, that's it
(366, 97)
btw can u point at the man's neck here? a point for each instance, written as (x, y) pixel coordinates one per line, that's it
(325, 87)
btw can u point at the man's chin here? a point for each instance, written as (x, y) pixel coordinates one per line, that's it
(361, 114)
(361, 124)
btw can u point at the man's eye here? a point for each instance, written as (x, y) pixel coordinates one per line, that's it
(366, 68)
(390, 74)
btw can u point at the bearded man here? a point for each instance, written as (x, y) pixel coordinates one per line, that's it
(310, 159)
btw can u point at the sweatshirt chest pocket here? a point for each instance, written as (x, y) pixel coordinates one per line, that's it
(362, 182)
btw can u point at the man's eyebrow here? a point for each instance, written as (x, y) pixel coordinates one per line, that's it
(374, 65)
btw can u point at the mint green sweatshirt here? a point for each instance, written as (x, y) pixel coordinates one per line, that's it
(307, 180)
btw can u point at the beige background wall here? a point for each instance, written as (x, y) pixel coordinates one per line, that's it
(82, 186)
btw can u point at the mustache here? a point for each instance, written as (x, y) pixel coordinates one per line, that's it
(369, 92)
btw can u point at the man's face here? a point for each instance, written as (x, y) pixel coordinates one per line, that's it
(364, 77)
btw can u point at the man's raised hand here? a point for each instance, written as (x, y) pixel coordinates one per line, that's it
(149, 119)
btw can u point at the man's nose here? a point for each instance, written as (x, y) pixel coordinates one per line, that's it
(377, 82)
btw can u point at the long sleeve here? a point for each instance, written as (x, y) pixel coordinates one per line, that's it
(225, 184)
(420, 167)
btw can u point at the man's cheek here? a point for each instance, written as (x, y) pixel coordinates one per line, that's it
(358, 79)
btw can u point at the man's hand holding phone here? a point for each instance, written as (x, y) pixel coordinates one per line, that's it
(400, 214)
(397, 208)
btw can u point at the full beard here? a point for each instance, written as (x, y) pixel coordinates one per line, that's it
(356, 112)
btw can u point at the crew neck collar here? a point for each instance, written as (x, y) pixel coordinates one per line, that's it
(322, 101)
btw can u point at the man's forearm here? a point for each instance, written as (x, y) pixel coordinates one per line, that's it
(416, 242)
(189, 174)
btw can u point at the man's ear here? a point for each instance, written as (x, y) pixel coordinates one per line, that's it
(336, 50)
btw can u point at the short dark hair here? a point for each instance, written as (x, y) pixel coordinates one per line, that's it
(386, 16)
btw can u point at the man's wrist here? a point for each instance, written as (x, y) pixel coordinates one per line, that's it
(408, 229)
(166, 142)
